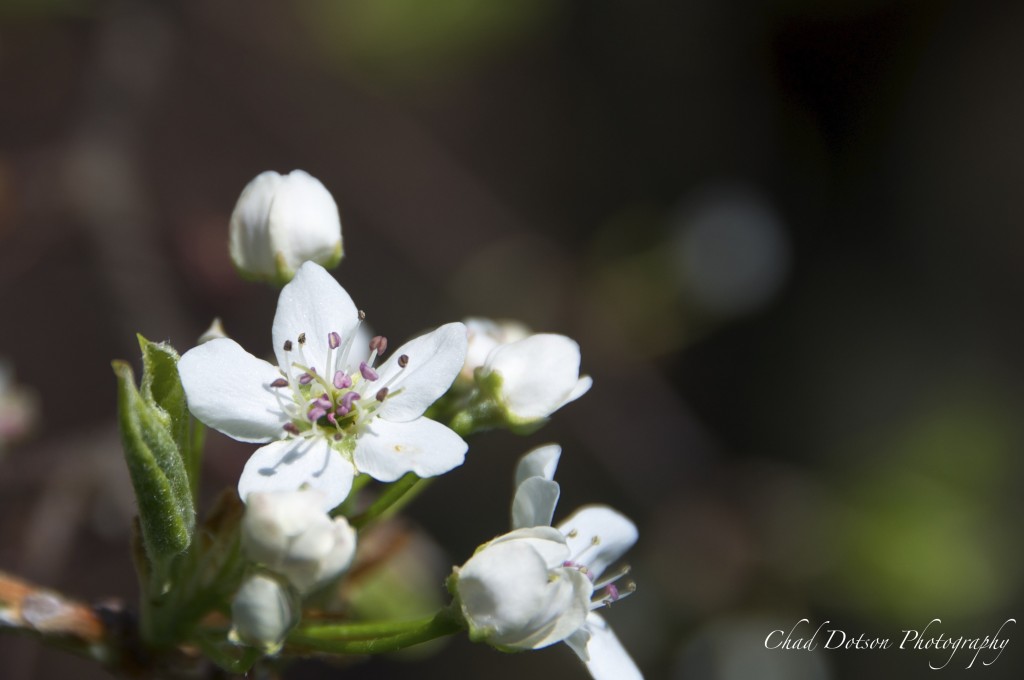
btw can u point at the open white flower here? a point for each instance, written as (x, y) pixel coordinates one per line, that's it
(289, 533)
(539, 585)
(281, 221)
(326, 418)
(533, 377)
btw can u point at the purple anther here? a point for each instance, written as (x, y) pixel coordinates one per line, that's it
(346, 402)
(403, 361)
(280, 382)
(613, 592)
(316, 413)
(382, 394)
(290, 428)
(334, 340)
(379, 344)
(305, 379)
(341, 380)
(332, 419)
(337, 436)
(287, 345)
(323, 401)
(367, 371)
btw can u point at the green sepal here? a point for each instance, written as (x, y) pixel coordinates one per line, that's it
(166, 512)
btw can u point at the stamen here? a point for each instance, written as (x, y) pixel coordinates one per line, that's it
(341, 380)
(332, 419)
(403, 361)
(316, 413)
(379, 344)
(346, 402)
(367, 372)
(291, 428)
(280, 382)
(287, 345)
(323, 401)
(612, 577)
(362, 315)
(337, 436)
(306, 378)
(333, 340)
(382, 394)
(302, 338)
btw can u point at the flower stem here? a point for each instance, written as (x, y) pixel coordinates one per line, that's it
(395, 497)
(372, 637)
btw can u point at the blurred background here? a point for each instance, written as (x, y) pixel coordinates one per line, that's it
(786, 234)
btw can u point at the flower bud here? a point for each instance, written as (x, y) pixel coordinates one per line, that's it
(262, 613)
(279, 222)
(515, 593)
(484, 335)
(289, 533)
(532, 378)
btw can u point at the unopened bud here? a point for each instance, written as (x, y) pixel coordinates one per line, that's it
(281, 221)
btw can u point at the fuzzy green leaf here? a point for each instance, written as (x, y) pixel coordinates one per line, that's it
(166, 514)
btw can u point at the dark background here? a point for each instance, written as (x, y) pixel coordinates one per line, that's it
(787, 236)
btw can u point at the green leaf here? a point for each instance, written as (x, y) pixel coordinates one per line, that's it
(166, 513)
(162, 389)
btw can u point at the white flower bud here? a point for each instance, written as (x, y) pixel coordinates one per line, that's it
(262, 613)
(535, 376)
(515, 593)
(290, 534)
(483, 336)
(281, 221)
(215, 331)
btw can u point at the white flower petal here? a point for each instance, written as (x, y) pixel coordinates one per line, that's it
(534, 503)
(539, 374)
(547, 541)
(315, 304)
(597, 536)
(387, 450)
(229, 389)
(435, 359)
(250, 238)
(583, 386)
(303, 220)
(540, 462)
(513, 600)
(290, 464)
(604, 655)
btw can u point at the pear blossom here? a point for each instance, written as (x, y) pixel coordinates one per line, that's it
(262, 613)
(533, 377)
(281, 221)
(323, 417)
(484, 335)
(289, 533)
(538, 584)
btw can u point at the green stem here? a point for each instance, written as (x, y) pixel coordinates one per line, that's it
(372, 638)
(395, 497)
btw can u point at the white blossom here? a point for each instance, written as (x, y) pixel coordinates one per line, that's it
(535, 376)
(483, 336)
(327, 418)
(281, 221)
(262, 613)
(289, 533)
(538, 585)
